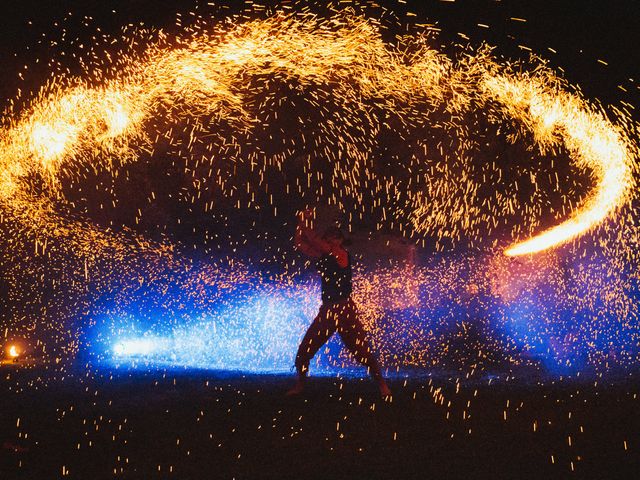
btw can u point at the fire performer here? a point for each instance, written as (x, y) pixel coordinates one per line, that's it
(338, 311)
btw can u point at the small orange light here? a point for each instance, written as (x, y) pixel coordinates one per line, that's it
(13, 351)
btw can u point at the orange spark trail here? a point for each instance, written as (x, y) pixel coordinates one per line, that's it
(594, 143)
(82, 124)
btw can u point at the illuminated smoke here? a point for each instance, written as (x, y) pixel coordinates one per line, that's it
(210, 93)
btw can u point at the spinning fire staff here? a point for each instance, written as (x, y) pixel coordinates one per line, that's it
(338, 311)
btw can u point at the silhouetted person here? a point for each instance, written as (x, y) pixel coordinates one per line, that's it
(338, 311)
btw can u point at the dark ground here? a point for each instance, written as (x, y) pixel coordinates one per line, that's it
(220, 425)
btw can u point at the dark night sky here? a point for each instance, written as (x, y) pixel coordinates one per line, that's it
(580, 32)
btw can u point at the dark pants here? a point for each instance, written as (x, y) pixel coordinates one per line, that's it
(341, 317)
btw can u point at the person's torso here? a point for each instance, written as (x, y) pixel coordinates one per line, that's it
(336, 280)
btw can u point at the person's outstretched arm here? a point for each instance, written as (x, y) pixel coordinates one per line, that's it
(307, 240)
(312, 244)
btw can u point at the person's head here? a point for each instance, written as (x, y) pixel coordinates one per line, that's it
(334, 237)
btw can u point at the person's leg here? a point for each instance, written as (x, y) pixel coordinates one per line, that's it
(317, 334)
(354, 337)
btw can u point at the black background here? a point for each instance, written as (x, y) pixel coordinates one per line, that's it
(580, 32)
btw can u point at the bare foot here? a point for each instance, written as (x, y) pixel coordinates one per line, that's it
(385, 391)
(296, 390)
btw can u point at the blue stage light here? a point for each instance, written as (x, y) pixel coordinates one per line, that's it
(139, 347)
